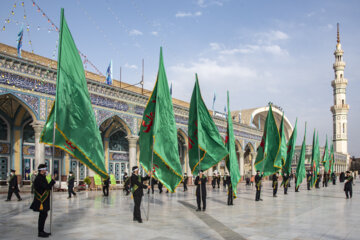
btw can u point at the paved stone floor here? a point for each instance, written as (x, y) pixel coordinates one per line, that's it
(315, 214)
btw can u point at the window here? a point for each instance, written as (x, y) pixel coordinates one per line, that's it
(119, 142)
(3, 130)
(28, 134)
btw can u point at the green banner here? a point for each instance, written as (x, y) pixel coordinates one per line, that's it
(112, 179)
(97, 180)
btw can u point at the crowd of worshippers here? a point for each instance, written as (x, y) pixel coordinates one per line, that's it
(42, 183)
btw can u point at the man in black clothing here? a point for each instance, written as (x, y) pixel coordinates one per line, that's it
(185, 180)
(70, 183)
(106, 184)
(160, 185)
(275, 183)
(137, 187)
(348, 185)
(286, 180)
(200, 181)
(13, 187)
(333, 177)
(342, 177)
(153, 183)
(41, 201)
(213, 181)
(218, 180)
(308, 179)
(325, 179)
(126, 181)
(258, 178)
(318, 180)
(230, 192)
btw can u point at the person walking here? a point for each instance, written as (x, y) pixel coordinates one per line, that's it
(70, 183)
(13, 187)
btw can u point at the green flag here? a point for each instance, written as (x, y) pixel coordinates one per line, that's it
(290, 151)
(300, 169)
(206, 146)
(269, 146)
(158, 135)
(313, 160)
(76, 132)
(232, 163)
(325, 159)
(281, 156)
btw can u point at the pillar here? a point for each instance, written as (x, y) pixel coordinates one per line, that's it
(241, 154)
(39, 147)
(252, 159)
(186, 160)
(132, 151)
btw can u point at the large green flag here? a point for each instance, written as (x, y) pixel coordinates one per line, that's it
(300, 169)
(325, 159)
(281, 156)
(269, 146)
(231, 161)
(290, 151)
(76, 132)
(314, 154)
(158, 134)
(206, 147)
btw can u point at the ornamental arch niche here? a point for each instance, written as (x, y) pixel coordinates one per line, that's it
(183, 148)
(115, 133)
(249, 159)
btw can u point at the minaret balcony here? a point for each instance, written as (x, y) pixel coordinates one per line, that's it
(338, 65)
(339, 81)
(341, 107)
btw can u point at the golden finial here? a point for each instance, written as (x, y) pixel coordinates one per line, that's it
(338, 34)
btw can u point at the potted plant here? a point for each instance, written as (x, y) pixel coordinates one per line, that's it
(87, 181)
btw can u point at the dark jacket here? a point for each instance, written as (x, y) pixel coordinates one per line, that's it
(274, 180)
(71, 181)
(13, 184)
(258, 178)
(42, 189)
(348, 183)
(107, 182)
(137, 185)
(203, 185)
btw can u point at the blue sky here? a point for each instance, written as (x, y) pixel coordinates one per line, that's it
(261, 51)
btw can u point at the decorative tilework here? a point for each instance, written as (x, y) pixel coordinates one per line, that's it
(42, 108)
(109, 103)
(31, 101)
(102, 115)
(4, 148)
(49, 105)
(119, 156)
(181, 119)
(139, 110)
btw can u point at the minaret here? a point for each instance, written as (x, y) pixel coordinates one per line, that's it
(340, 108)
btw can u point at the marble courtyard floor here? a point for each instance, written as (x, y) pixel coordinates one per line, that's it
(316, 214)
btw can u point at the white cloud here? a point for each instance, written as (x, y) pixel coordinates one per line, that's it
(154, 33)
(271, 36)
(214, 46)
(248, 49)
(181, 14)
(131, 66)
(206, 3)
(135, 32)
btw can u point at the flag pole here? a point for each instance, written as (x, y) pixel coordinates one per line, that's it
(51, 174)
(151, 173)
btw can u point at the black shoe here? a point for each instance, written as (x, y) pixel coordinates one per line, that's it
(139, 220)
(43, 235)
(204, 209)
(49, 234)
(20, 199)
(198, 210)
(257, 200)
(7, 200)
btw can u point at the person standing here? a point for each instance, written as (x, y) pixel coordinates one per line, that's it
(318, 180)
(296, 188)
(42, 196)
(286, 180)
(213, 181)
(185, 181)
(218, 179)
(333, 177)
(348, 185)
(13, 186)
(106, 184)
(70, 183)
(200, 182)
(160, 185)
(153, 183)
(275, 183)
(230, 192)
(137, 187)
(258, 178)
(308, 179)
(126, 181)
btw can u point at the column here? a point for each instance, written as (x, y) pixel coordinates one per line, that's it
(39, 147)
(186, 160)
(241, 163)
(132, 151)
(252, 159)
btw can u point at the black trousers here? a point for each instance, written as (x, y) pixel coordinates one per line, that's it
(285, 189)
(126, 189)
(348, 192)
(198, 200)
(308, 185)
(230, 197)
(297, 188)
(317, 184)
(11, 191)
(71, 191)
(185, 186)
(106, 190)
(42, 218)
(275, 188)
(137, 203)
(334, 181)
(258, 191)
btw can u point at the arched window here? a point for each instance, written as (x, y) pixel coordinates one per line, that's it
(28, 134)
(3, 130)
(119, 142)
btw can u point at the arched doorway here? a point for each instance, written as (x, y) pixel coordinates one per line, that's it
(115, 135)
(248, 160)
(4, 149)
